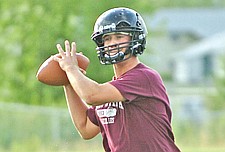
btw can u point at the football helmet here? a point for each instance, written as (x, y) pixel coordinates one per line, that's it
(119, 20)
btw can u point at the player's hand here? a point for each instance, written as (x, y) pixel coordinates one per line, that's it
(67, 59)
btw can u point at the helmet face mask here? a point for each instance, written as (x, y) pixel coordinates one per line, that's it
(119, 20)
(112, 54)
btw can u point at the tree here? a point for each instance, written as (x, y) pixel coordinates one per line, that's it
(30, 29)
(215, 100)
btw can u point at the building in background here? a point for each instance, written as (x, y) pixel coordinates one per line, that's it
(188, 44)
(201, 61)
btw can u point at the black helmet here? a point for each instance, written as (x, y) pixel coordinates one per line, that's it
(120, 20)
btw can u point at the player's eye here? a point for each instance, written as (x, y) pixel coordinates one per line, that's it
(120, 36)
(106, 38)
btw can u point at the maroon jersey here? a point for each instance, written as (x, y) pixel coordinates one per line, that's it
(143, 122)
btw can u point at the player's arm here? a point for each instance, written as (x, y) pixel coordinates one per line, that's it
(77, 109)
(90, 91)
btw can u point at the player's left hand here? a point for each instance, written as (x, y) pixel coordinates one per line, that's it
(68, 59)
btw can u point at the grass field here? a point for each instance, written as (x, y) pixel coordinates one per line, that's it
(100, 149)
(203, 149)
(37, 129)
(87, 146)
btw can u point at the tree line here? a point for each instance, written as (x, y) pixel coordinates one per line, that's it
(30, 29)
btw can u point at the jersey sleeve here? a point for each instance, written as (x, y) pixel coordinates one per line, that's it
(91, 115)
(130, 85)
(140, 83)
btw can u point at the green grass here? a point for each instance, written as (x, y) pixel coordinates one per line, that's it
(23, 131)
(84, 147)
(203, 149)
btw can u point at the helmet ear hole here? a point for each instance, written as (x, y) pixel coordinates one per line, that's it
(138, 23)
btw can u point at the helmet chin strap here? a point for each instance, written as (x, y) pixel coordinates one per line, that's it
(116, 57)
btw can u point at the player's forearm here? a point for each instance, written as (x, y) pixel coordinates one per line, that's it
(77, 109)
(85, 87)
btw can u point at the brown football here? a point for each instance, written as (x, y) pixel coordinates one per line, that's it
(50, 72)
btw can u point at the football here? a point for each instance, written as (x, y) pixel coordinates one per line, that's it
(50, 72)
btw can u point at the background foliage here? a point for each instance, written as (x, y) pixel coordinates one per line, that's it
(30, 29)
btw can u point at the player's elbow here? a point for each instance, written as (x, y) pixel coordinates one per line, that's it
(90, 100)
(87, 136)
